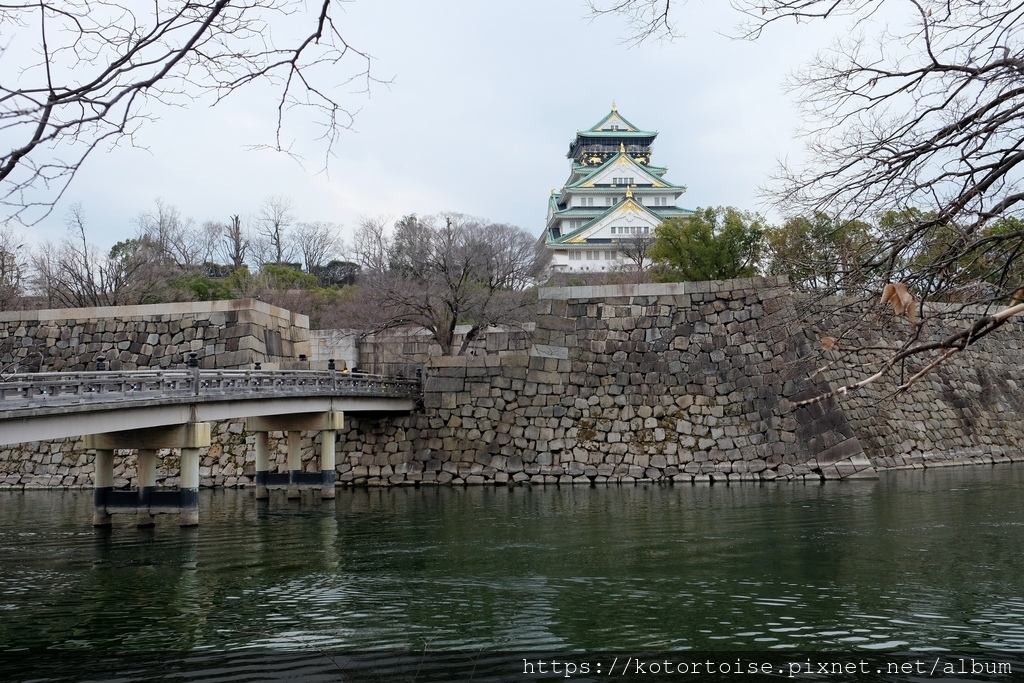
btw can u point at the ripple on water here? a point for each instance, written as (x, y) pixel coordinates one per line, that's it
(616, 568)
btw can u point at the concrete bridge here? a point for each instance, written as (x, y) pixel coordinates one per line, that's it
(149, 410)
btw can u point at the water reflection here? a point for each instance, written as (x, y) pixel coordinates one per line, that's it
(916, 560)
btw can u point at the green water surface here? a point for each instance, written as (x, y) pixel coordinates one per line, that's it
(917, 560)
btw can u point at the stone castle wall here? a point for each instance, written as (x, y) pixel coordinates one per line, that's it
(965, 410)
(695, 382)
(406, 350)
(686, 382)
(679, 382)
(223, 334)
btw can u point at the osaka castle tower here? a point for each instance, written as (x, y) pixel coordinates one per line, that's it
(613, 196)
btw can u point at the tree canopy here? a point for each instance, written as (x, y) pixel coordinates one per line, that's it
(819, 253)
(713, 244)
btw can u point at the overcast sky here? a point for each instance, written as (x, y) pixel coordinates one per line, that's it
(484, 100)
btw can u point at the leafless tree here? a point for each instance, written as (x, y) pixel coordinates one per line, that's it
(82, 75)
(636, 251)
(44, 281)
(175, 237)
(232, 242)
(272, 244)
(74, 273)
(438, 272)
(316, 243)
(917, 126)
(372, 243)
(12, 267)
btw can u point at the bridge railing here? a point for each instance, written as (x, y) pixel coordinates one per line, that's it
(51, 388)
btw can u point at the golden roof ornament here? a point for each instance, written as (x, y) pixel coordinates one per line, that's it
(614, 108)
(629, 192)
(622, 147)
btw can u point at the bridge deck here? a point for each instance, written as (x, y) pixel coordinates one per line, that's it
(46, 406)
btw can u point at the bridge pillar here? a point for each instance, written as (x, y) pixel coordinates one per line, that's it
(262, 465)
(146, 465)
(189, 486)
(327, 471)
(294, 463)
(103, 484)
(328, 423)
(190, 438)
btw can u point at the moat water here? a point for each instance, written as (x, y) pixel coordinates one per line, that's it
(917, 561)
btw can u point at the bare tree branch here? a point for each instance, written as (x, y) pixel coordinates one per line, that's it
(914, 127)
(647, 19)
(316, 243)
(442, 271)
(273, 244)
(90, 72)
(233, 244)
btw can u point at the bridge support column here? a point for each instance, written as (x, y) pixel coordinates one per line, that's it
(189, 486)
(327, 471)
(190, 438)
(262, 465)
(294, 463)
(146, 466)
(328, 422)
(103, 485)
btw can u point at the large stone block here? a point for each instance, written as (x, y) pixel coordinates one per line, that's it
(438, 384)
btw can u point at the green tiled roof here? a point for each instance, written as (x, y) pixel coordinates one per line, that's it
(659, 212)
(610, 160)
(595, 130)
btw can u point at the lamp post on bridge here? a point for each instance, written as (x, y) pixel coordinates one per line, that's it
(193, 365)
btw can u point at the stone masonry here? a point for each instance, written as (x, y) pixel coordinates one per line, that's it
(407, 350)
(684, 382)
(689, 382)
(965, 411)
(223, 334)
